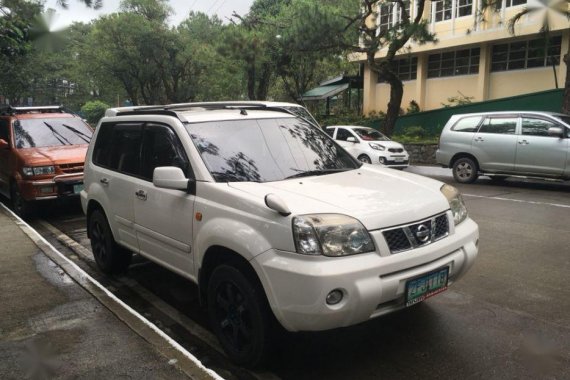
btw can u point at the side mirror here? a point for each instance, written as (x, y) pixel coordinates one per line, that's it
(4, 144)
(556, 132)
(352, 139)
(170, 177)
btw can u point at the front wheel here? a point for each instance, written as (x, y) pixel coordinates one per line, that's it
(109, 256)
(465, 170)
(239, 316)
(21, 207)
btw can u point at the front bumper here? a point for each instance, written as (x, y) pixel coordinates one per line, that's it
(397, 160)
(60, 186)
(373, 284)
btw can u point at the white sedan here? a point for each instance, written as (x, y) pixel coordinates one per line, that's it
(370, 146)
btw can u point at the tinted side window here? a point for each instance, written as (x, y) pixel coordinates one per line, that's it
(536, 127)
(118, 148)
(467, 124)
(329, 131)
(4, 131)
(343, 134)
(161, 147)
(499, 125)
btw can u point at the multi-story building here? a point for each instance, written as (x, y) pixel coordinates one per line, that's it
(475, 56)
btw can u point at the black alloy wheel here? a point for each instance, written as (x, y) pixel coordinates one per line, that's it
(238, 313)
(109, 256)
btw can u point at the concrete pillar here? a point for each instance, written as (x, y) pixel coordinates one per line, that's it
(563, 51)
(420, 96)
(483, 80)
(369, 89)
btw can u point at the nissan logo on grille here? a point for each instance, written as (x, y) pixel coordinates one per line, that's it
(423, 233)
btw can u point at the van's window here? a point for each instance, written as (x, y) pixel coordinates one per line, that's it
(118, 148)
(4, 131)
(536, 127)
(330, 131)
(467, 124)
(267, 150)
(161, 147)
(38, 133)
(500, 125)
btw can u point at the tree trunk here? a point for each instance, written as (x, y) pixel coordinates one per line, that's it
(396, 94)
(566, 99)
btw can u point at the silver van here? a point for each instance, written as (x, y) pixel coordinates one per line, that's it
(503, 144)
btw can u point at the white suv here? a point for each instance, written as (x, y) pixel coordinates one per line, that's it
(270, 217)
(370, 146)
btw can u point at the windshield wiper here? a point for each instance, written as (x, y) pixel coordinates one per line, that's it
(57, 135)
(309, 173)
(80, 134)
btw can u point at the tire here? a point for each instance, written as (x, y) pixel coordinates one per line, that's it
(364, 159)
(109, 256)
(20, 206)
(465, 170)
(239, 316)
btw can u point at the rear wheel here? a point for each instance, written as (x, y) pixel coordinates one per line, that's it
(365, 159)
(239, 315)
(21, 207)
(109, 256)
(465, 170)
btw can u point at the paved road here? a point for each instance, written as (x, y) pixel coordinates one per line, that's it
(508, 318)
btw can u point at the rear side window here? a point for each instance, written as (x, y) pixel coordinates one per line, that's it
(330, 131)
(467, 124)
(118, 148)
(4, 131)
(499, 125)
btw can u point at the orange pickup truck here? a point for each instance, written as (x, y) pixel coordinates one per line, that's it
(42, 152)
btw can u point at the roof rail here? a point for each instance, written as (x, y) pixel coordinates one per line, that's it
(12, 110)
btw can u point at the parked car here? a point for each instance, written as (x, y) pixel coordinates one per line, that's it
(42, 153)
(502, 144)
(273, 220)
(370, 146)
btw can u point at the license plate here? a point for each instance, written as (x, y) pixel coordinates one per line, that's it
(399, 159)
(77, 188)
(426, 286)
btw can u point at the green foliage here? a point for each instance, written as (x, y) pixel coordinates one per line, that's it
(415, 135)
(413, 107)
(94, 111)
(459, 100)
(373, 120)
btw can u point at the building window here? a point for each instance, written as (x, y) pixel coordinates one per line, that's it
(510, 3)
(406, 69)
(526, 54)
(443, 9)
(387, 11)
(460, 62)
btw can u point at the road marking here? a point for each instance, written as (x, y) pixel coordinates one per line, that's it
(187, 323)
(191, 366)
(519, 201)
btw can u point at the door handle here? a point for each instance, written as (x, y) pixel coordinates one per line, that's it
(141, 194)
(104, 181)
(523, 142)
(479, 139)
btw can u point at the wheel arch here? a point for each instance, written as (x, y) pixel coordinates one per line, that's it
(457, 156)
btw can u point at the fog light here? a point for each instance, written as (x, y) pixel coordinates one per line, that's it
(383, 160)
(334, 297)
(46, 189)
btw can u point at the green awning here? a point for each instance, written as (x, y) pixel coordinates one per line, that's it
(323, 92)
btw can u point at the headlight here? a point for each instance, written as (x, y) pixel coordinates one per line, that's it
(456, 203)
(38, 170)
(377, 146)
(330, 235)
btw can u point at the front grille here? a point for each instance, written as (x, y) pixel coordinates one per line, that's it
(417, 234)
(72, 168)
(395, 150)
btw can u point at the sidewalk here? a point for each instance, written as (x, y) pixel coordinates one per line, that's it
(51, 327)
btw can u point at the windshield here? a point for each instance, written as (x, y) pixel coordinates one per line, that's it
(369, 134)
(565, 119)
(39, 133)
(267, 150)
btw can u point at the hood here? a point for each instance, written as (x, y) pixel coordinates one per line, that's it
(53, 155)
(388, 144)
(378, 197)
